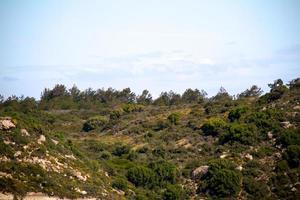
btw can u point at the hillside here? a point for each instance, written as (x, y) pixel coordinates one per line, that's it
(110, 144)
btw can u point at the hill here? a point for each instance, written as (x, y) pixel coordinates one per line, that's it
(110, 144)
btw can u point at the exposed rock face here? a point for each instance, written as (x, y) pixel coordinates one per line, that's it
(6, 123)
(200, 171)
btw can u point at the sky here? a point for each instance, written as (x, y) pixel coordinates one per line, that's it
(159, 45)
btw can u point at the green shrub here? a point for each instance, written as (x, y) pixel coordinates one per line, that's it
(221, 179)
(174, 118)
(95, 123)
(105, 155)
(121, 149)
(241, 133)
(174, 192)
(165, 171)
(236, 113)
(292, 155)
(256, 189)
(129, 108)
(214, 126)
(141, 176)
(290, 137)
(224, 183)
(120, 183)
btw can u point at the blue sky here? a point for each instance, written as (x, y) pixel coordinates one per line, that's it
(157, 45)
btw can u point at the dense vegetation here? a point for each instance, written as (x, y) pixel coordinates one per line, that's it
(115, 144)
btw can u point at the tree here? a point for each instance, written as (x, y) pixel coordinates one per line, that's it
(254, 91)
(193, 96)
(222, 95)
(126, 96)
(75, 93)
(145, 98)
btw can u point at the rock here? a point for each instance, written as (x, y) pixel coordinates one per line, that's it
(8, 142)
(248, 156)
(24, 132)
(54, 141)
(6, 124)
(240, 168)
(17, 153)
(119, 192)
(270, 135)
(223, 156)
(79, 176)
(296, 107)
(80, 191)
(70, 157)
(286, 124)
(41, 139)
(200, 171)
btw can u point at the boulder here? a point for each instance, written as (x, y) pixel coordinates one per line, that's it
(6, 123)
(286, 124)
(41, 139)
(24, 132)
(200, 171)
(248, 156)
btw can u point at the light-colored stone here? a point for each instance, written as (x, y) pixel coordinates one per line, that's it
(6, 124)
(270, 135)
(296, 107)
(248, 156)
(240, 168)
(54, 141)
(42, 139)
(24, 132)
(286, 124)
(223, 156)
(18, 153)
(200, 171)
(70, 157)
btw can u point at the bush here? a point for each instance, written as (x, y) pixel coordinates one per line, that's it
(141, 176)
(121, 149)
(292, 155)
(257, 189)
(129, 108)
(241, 133)
(236, 113)
(290, 137)
(221, 179)
(120, 184)
(214, 126)
(224, 183)
(94, 123)
(174, 118)
(174, 192)
(165, 171)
